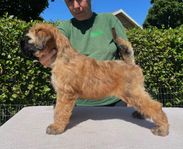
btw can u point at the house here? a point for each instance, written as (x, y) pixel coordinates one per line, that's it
(126, 20)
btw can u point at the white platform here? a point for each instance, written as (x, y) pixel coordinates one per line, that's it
(89, 128)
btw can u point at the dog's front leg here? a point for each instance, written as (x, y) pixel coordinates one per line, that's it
(62, 114)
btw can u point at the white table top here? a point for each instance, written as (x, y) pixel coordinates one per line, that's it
(89, 128)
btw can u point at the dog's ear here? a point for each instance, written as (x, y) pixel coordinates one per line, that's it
(43, 35)
(41, 32)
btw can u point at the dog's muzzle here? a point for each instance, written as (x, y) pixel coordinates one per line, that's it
(27, 48)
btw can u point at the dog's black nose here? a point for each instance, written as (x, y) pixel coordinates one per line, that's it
(24, 45)
(27, 49)
(24, 42)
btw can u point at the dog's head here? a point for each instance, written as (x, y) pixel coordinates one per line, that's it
(37, 41)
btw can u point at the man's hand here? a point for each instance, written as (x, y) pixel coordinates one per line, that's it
(48, 58)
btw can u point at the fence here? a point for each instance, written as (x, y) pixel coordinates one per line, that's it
(169, 98)
(9, 110)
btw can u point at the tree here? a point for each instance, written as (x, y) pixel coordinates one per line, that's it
(23, 9)
(166, 13)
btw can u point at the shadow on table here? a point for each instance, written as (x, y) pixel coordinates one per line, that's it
(82, 114)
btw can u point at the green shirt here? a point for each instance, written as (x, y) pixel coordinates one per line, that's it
(93, 38)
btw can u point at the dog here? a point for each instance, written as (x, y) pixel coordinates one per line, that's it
(124, 48)
(77, 76)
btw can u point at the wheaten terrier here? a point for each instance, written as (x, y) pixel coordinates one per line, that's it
(77, 76)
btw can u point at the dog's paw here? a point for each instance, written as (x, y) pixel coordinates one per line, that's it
(54, 129)
(160, 131)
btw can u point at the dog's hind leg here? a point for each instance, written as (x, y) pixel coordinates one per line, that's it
(141, 100)
(62, 114)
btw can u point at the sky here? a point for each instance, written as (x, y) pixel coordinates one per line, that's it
(136, 9)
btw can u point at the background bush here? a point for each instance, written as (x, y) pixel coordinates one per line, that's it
(159, 52)
(22, 81)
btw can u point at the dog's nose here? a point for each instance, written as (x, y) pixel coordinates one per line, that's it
(27, 48)
(24, 44)
(24, 41)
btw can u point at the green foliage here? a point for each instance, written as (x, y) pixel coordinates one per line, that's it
(160, 54)
(165, 13)
(22, 80)
(23, 9)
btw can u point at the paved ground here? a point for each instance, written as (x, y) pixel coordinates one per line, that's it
(90, 128)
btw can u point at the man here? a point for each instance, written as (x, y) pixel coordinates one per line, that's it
(91, 35)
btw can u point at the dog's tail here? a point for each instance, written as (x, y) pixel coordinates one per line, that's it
(124, 48)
